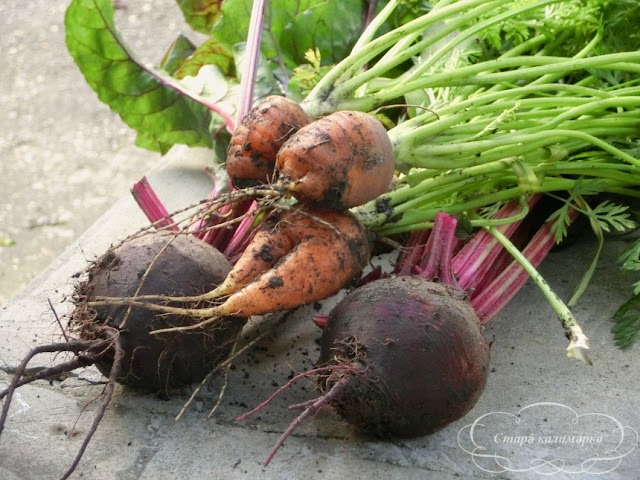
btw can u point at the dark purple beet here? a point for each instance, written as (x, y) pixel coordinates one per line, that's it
(119, 341)
(419, 355)
(400, 357)
(157, 363)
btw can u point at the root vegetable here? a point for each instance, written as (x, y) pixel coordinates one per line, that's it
(419, 357)
(151, 265)
(337, 162)
(400, 357)
(118, 340)
(328, 250)
(255, 142)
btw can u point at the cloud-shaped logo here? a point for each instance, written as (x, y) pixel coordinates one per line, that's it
(547, 438)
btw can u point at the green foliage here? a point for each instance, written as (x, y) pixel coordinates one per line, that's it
(561, 216)
(571, 22)
(155, 100)
(630, 259)
(210, 52)
(306, 76)
(292, 27)
(627, 322)
(331, 27)
(620, 26)
(179, 51)
(610, 215)
(627, 317)
(606, 215)
(147, 100)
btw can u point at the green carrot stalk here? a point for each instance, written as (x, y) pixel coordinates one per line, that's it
(478, 255)
(524, 266)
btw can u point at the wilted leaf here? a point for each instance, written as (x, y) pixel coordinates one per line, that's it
(179, 51)
(201, 15)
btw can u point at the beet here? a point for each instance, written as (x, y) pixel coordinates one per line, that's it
(400, 357)
(419, 354)
(117, 338)
(157, 363)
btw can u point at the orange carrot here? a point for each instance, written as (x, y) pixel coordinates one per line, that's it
(255, 143)
(264, 250)
(340, 161)
(330, 250)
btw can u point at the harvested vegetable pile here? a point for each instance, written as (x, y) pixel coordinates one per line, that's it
(438, 131)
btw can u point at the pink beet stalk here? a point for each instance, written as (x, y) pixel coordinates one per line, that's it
(436, 260)
(152, 207)
(241, 236)
(493, 298)
(254, 37)
(197, 228)
(478, 256)
(414, 248)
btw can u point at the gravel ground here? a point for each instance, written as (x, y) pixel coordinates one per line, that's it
(65, 158)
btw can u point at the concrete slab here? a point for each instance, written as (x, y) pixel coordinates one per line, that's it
(541, 415)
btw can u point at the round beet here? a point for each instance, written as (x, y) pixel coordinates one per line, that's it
(419, 355)
(119, 338)
(156, 265)
(400, 357)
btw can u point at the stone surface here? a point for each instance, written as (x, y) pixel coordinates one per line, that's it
(65, 158)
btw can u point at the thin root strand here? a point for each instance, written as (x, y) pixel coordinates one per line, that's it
(72, 346)
(109, 389)
(300, 376)
(314, 407)
(45, 373)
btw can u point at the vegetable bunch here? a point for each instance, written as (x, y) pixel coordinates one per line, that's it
(487, 102)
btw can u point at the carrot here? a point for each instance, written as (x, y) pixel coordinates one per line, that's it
(308, 253)
(340, 161)
(314, 254)
(327, 255)
(255, 142)
(265, 249)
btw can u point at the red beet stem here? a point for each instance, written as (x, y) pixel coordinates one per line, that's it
(493, 298)
(197, 228)
(436, 259)
(250, 70)
(243, 231)
(320, 320)
(152, 207)
(414, 249)
(478, 256)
